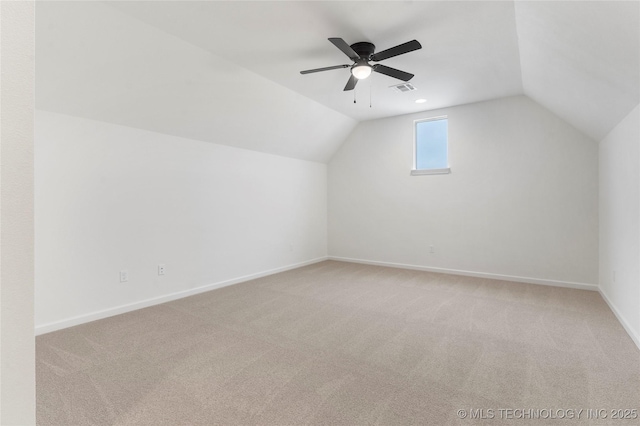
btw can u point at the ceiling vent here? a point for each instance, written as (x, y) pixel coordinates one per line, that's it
(404, 87)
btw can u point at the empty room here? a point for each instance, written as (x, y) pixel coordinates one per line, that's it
(349, 213)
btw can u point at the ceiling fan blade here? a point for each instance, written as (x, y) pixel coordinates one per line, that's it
(324, 69)
(400, 49)
(351, 84)
(392, 72)
(346, 49)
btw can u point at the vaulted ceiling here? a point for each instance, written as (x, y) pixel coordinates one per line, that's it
(228, 72)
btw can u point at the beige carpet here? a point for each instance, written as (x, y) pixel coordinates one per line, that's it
(340, 343)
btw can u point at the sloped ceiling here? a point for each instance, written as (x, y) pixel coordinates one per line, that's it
(228, 72)
(581, 60)
(469, 54)
(92, 61)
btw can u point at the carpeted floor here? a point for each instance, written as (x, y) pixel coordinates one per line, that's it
(340, 343)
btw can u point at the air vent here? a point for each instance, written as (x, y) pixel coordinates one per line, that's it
(404, 87)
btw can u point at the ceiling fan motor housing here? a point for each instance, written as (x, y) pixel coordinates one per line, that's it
(364, 49)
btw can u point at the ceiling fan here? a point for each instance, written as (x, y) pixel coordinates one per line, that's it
(363, 52)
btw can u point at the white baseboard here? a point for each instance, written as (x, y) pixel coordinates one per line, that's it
(554, 283)
(635, 336)
(81, 319)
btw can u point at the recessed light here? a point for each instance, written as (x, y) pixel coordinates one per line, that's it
(421, 101)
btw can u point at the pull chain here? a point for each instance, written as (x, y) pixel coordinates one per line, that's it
(354, 95)
(369, 93)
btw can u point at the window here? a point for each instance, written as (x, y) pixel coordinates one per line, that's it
(430, 147)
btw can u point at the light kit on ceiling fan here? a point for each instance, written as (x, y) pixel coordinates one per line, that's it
(361, 70)
(363, 52)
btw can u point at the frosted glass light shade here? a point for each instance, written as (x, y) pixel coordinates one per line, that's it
(361, 71)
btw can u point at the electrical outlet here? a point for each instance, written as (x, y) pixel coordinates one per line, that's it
(432, 249)
(161, 269)
(124, 276)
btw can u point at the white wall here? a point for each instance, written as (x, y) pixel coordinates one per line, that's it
(110, 197)
(620, 221)
(17, 345)
(521, 201)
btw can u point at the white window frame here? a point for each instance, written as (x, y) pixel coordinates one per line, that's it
(419, 172)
